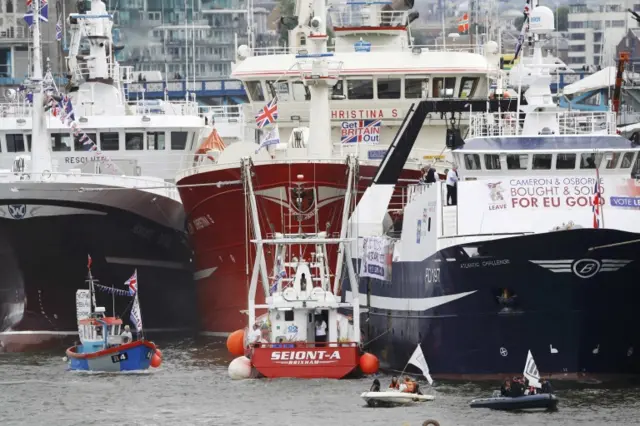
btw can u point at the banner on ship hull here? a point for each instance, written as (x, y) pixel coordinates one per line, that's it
(376, 258)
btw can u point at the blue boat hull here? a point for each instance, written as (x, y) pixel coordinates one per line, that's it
(574, 326)
(129, 358)
(527, 402)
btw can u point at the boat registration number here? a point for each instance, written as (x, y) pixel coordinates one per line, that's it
(148, 355)
(119, 358)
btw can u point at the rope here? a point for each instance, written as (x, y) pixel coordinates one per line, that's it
(374, 339)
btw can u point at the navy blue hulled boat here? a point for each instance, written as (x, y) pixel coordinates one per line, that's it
(540, 252)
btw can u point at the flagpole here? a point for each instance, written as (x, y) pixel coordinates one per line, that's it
(137, 301)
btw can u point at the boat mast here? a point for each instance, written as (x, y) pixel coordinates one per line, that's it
(40, 147)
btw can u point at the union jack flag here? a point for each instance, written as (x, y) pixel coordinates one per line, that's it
(59, 29)
(132, 283)
(268, 114)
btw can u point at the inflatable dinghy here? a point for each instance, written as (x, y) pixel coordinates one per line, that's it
(527, 402)
(394, 398)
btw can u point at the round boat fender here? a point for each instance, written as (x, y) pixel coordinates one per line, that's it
(431, 423)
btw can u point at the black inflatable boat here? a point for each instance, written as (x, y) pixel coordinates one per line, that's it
(527, 402)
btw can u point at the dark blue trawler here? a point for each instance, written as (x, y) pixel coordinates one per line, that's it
(512, 267)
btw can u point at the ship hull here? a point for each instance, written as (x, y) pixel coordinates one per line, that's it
(220, 227)
(477, 317)
(43, 255)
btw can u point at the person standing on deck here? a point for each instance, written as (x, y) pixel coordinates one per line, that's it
(452, 186)
(321, 331)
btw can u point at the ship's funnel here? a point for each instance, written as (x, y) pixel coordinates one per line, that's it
(398, 5)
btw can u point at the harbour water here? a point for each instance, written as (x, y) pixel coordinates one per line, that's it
(192, 388)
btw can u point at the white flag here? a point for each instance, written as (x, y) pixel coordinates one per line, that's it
(136, 316)
(531, 372)
(271, 138)
(418, 360)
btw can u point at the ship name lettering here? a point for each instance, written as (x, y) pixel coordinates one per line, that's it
(304, 357)
(495, 262)
(470, 265)
(432, 275)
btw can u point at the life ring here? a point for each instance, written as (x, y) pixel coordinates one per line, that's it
(431, 423)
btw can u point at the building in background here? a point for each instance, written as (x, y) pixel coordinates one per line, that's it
(596, 29)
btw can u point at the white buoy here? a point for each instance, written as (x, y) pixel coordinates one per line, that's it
(65, 359)
(240, 368)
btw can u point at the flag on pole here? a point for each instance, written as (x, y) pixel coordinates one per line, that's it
(597, 201)
(59, 29)
(136, 317)
(132, 283)
(531, 372)
(271, 138)
(89, 261)
(268, 114)
(419, 361)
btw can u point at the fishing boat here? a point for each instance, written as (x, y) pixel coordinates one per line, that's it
(537, 251)
(84, 169)
(357, 92)
(299, 302)
(527, 402)
(103, 348)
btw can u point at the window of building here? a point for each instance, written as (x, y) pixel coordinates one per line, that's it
(60, 142)
(472, 162)
(576, 24)
(443, 87)
(133, 141)
(590, 160)
(576, 36)
(468, 87)
(178, 140)
(109, 141)
(492, 162)
(577, 48)
(360, 89)
(517, 161)
(155, 141)
(565, 161)
(81, 143)
(254, 90)
(416, 87)
(541, 161)
(597, 37)
(389, 88)
(15, 142)
(627, 160)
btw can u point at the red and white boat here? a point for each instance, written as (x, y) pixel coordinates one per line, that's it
(300, 301)
(326, 105)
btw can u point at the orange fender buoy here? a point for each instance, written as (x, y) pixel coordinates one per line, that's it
(369, 363)
(156, 361)
(235, 343)
(159, 353)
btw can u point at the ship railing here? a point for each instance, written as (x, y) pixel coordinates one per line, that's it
(303, 345)
(95, 181)
(569, 123)
(449, 47)
(162, 107)
(368, 153)
(222, 113)
(360, 15)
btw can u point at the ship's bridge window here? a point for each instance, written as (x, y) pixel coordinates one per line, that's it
(492, 162)
(612, 162)
(254, 90)
(29, 142)
(133, 141)
(627, 160)
(565, 161)
(443, 87)
(15, 142)
(590, 160)
(468, 87)
(389, 88)
(178, 140)
(472, 162)
(279, 89)
(300, 91)
(337, 91)
(541, 161)
(360, 88)
(155, 141)
(416, 87)
(109, 141)
(60, 142)
(81, 143)
(517, 161)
